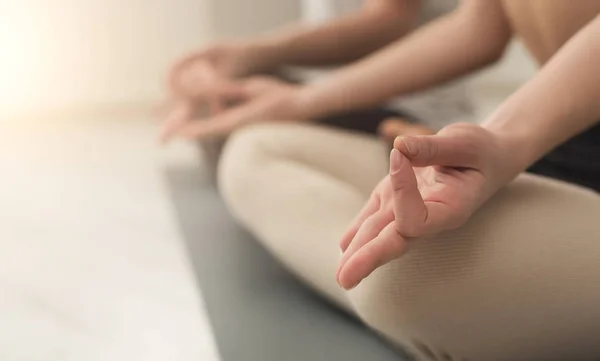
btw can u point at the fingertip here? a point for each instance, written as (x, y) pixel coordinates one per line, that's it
(347, 281)
(406, 145)
(389, 245)
(355, 270)
(401, 172)
(396, 159)
(337, 275)
(398, 142)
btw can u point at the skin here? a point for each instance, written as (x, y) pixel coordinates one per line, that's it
(206, 77)
(557, 104)
(420, 60)
(535, 23)
(437, 182)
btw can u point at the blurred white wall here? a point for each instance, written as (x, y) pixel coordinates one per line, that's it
(316, 11)
(63, 54)
(59, 55)
(248, 17)
(87, 54)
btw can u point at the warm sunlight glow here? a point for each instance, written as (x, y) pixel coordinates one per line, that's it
(19, 62)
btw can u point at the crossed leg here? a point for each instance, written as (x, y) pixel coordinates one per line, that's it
(520, 281)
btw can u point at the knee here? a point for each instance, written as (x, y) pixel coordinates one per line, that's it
(385, 303)
(423, 302)
(481, 292)
(242, 158)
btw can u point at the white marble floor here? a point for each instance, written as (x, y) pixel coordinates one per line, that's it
(91, 263)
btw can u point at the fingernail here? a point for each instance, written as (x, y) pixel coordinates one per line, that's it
(409, 144)
(395, 161)
(353, 286)
(398, 139)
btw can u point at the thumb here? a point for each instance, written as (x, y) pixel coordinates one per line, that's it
(426, 150)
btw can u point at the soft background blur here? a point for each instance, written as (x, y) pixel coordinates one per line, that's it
(92, 266)
(62, 56)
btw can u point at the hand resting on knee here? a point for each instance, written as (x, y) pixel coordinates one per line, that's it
(435, 183)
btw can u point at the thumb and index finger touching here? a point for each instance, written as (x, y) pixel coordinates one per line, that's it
(200, 81)
(413, 217)
(207, 86)
(438, 149)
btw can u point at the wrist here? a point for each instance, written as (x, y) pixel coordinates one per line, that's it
(250, 57)
(516, 140)
(314, 103)
(266, 53)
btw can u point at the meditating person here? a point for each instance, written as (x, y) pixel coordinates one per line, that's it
(235, 71)
(457, 254)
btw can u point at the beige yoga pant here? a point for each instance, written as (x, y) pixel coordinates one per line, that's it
(520, 281)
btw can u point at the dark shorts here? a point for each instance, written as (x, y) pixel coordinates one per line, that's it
(576, 161)
(366, 121)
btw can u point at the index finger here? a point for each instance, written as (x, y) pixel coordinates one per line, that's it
(409, 209)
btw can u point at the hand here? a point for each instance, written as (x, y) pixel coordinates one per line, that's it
(203, 77)
(194, 74)
(455, 172)
(255, 98)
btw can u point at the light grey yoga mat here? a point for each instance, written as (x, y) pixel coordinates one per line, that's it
(258, 311)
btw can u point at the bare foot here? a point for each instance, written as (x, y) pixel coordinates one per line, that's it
(391, 128)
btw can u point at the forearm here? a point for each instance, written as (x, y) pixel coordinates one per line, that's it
(463, 41)
(342, 40)
(560, 102)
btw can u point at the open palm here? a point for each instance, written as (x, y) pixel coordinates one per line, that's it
(435, 183)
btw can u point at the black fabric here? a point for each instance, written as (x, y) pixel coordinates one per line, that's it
(366, 121)
(576, 161)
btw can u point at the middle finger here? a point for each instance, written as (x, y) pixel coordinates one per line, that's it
(370, 228)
